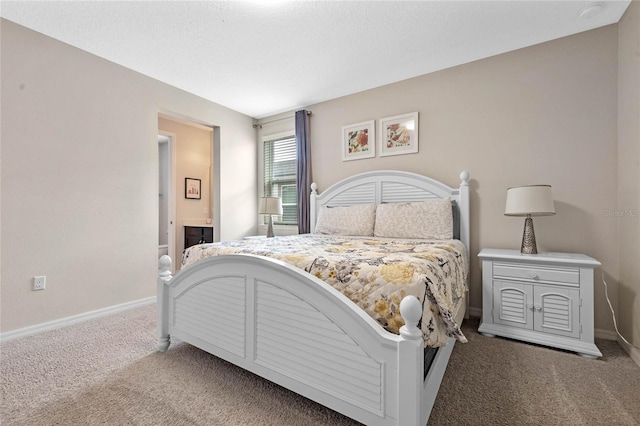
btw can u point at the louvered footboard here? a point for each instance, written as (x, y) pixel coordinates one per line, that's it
(291, 328)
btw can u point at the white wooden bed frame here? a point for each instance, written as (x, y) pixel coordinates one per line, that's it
(293, 329)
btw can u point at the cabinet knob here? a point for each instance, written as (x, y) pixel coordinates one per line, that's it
(533, 274)
(538, 308)
(530, 306)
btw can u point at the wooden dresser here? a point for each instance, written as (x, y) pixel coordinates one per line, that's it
(197, 235)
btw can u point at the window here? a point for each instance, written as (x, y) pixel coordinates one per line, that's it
(280, 177)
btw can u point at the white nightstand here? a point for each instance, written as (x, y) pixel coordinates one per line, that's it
(542, 298)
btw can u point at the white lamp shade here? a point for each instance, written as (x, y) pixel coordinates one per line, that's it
(534, 200)
(270, 205)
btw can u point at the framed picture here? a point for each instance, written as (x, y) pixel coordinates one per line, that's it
(399, 134)
(192, 188)
(359, 141)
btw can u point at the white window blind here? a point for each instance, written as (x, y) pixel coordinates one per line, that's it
(280, 177)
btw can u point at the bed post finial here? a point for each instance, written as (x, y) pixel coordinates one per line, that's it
(411, 311)
(464, 178)
(164, 268)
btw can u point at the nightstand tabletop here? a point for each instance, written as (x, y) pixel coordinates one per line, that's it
(547, 257)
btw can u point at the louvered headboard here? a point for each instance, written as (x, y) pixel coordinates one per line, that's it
(394, 186)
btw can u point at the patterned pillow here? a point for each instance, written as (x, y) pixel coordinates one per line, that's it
(356, 220)
(431, 219)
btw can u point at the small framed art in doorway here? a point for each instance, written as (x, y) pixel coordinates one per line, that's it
(192, 188)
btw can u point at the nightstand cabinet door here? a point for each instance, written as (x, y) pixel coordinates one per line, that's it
(513, 304)
(548, 309)
(557, 311)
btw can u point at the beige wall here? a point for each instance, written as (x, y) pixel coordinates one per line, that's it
(193, 159)
(79, 172)
(629, 173)
(544, 114)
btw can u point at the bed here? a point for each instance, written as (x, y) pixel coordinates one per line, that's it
(287, 325)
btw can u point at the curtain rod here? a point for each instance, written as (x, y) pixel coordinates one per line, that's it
(255, 126)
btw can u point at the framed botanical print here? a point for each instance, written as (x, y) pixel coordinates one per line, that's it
(359, 141)
(399, 134)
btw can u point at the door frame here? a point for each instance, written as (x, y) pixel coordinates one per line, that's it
(171, 209)
(215, 181)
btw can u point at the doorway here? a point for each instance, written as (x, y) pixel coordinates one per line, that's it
(197, 156)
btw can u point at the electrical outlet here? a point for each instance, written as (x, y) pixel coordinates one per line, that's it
(39, 283)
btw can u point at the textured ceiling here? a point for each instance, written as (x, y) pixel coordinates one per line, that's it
(266, 57)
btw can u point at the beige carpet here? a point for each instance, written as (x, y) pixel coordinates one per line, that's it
(107, 372)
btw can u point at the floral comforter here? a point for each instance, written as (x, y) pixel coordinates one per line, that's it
(375, 273)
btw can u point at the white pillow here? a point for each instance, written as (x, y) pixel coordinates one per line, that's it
(431, 219)
(356, 220)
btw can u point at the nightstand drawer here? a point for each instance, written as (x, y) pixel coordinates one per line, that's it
(565, 276)
(195, 231)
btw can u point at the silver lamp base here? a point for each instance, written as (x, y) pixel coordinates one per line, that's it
(270, 227)
(528, 238)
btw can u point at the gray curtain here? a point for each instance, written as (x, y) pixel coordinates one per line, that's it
(303, 173)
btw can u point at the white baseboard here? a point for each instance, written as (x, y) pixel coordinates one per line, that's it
(64, 322)
(475, 312)
(633, 352)
(605, 334)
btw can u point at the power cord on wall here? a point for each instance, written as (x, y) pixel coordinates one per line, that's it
(613, 314)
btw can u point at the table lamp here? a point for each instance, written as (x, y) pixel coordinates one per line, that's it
(529, 200)
(270, 206)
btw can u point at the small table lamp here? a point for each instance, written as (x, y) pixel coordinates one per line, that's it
(270, 206)
(530, 200)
